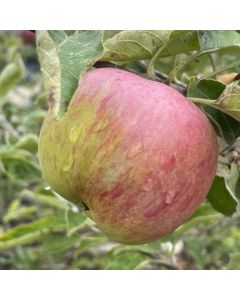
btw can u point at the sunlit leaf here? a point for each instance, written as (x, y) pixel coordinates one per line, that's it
(12, 74)
(129, 45)
(229, 100)
(217, 39)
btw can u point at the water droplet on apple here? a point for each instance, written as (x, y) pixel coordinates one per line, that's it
(100, 126)
(134, 150)
(46, 186)
(67, 166)
(169, 198)
(74, 134)
(148, 185)
(75, 209)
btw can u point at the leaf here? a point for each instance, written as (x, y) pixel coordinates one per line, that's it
(225, 126)
(193, 222)
(28, 142)
(234, 262)
(21, 213)
(49, 62)
(19, 164)
(76, 53)
(217, 39)
(90, 242)
(232, 181)
(130, 45)
(12, 74)
(44, 199)
(229, 100)
(64, 57)
(23, 240)
(220, 198)
(204, 210)
(108, 34)
(53, 243)
(205, 88)
(229, 127)
(21, 230)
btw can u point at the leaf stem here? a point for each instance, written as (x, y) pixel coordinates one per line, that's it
(180, 66)
(150, 67)
(212, 62)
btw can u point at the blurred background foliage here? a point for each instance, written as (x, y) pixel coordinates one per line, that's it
(40, 230)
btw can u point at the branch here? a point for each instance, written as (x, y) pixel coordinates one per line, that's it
(223, 69)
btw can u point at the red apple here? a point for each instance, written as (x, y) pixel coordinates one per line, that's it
(28, 36)
(136, 152)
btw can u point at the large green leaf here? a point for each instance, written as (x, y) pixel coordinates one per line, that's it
(205, 88)
(232, 181)
(130, 45)
(229, 100)
(220, 198)
(65, 57)
(49, 62)
(12, 74)
(234, 262)
(217, 39)
(226, 126)
(19, 164)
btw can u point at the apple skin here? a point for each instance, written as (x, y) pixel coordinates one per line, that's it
(28, 36)
(136, 152)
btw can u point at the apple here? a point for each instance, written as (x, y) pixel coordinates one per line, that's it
(136, 152)
(28, 36)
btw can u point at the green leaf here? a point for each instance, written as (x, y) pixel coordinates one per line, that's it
(65, 57)
(204, 210)
(28, 142)
(21, 214)
(21, 230)
(220, 198)
(108, 34)
(130, 45)
(229, 100)
(49, 62)
(54, 243)
(76, 53)
(229, 128)
(19, 164)
(44, 199)
(217, 39)
(205, 88)
(12, 74)
(232, 181)
(234, 262)
(90, 242)
(23, 240)
(225, 126)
